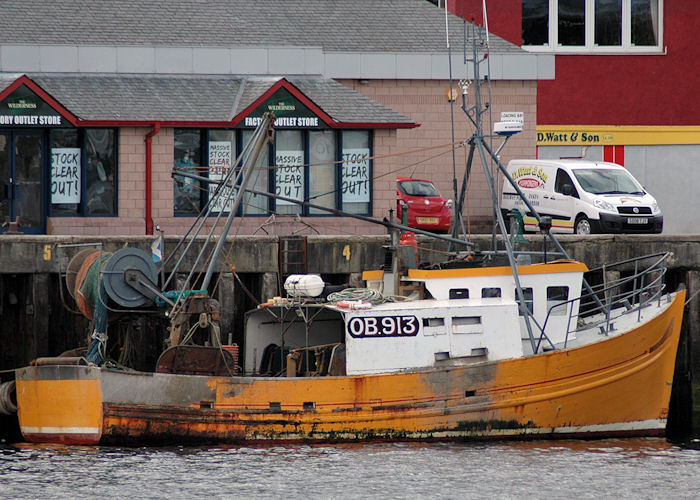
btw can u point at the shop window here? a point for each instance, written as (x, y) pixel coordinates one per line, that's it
(66, 172)
(289, 170)
(323, 184)
(577, 26)
(4, 176)
(83, 171)
(257, 204)
(221, 154)
(101, 166)
(188, 192)
(356, 171)
(307, 165)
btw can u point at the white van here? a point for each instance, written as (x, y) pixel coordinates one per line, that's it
(581, 197)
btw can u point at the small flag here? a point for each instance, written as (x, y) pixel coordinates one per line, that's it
(158, 248)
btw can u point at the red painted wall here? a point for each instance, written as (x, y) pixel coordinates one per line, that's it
(504, 16)
(614, 89)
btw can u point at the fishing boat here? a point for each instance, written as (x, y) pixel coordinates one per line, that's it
(467, 349)
(503, 343)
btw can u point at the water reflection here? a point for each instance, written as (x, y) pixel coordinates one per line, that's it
(624, 468)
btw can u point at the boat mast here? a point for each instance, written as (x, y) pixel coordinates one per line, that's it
(236, 180)
(477, 141)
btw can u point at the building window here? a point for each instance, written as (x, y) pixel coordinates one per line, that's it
(307, 165)
(571, 23)
(188, 192)
(608, 23)
(582, 26)
(83, 172)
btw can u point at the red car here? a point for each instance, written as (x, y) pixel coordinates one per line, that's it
(427, 210)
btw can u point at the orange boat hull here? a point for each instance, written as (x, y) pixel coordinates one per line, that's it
(615, 387)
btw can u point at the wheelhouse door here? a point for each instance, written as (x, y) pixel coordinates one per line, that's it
(22, 160)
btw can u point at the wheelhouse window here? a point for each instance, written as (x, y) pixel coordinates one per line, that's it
(459, 293)
(580, 26)
(557, 297)
(527, 295)
(488, 293)
(83, 172)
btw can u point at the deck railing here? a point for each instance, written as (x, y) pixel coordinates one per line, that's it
(624, 287)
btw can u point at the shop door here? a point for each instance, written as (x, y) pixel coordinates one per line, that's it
(22, 162)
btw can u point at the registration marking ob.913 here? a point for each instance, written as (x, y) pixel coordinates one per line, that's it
(383, 326)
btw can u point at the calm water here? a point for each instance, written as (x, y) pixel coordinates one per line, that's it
(614, 468)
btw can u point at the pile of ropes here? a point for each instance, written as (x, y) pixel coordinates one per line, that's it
(370, 295)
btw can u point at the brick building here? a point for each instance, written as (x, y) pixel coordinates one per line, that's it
(95, 115)
(625, 88)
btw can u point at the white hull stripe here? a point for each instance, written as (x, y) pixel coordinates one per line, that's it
(60, 430)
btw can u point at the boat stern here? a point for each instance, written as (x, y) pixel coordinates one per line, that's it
(60, 403)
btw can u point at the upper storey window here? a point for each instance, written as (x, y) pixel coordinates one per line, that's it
(593, 26)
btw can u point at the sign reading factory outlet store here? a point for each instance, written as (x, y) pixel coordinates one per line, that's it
(23, 108)
(288, 110)
(23, 120)
(285, 121)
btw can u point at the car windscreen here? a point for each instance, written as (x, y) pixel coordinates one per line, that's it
(418, 188)
(607, 181)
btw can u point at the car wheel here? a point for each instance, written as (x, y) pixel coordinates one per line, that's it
(582, 225)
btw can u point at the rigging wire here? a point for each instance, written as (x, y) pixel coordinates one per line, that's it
(494, 169)
(452, 105)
